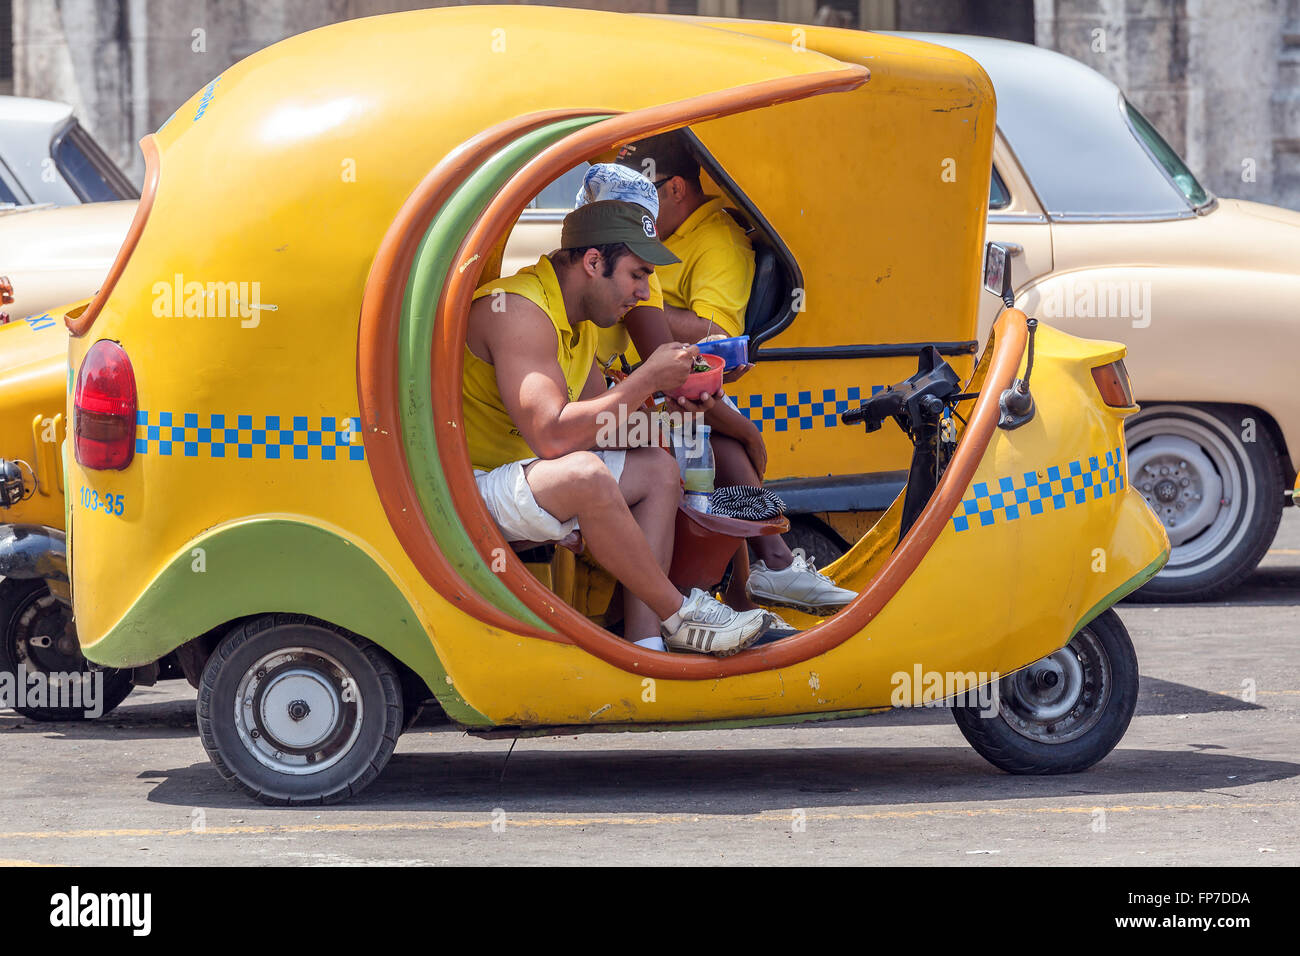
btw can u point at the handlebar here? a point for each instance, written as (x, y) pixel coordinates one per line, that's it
(913, 401)
(874, 410)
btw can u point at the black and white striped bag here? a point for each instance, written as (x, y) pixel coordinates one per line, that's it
(747, 502)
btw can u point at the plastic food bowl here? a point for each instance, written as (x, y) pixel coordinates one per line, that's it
(735, 350)
(697, 383)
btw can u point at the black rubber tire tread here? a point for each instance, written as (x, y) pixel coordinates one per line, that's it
(349, 776)
(1265, 461)
(810, 536)
(14, 594)
(998, 743)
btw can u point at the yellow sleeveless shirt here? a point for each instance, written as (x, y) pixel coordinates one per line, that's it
(493, 438)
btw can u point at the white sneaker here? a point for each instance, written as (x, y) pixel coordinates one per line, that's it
(707, 627)
(800, 586)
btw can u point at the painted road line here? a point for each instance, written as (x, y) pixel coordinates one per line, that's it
(629, 821)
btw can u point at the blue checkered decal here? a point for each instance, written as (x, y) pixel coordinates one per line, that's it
(778, 412)
(296, 437)
(1011, 498)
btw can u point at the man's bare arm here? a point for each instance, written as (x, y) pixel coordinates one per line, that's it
(648, 329)
(686, 326)
(521, 345)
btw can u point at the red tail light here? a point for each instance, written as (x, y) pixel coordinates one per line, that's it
(104, 408)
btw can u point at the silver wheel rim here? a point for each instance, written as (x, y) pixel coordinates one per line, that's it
(44, 640)
(1061, 697)
(1191, 462)
(298, 711)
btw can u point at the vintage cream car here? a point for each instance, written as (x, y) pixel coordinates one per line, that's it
(64, 209)
(47, 157)
(1117, 240)
(1114, 238)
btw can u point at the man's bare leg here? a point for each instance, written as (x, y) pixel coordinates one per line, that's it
(651, 485)
(628, 525)
(737, 597)
(735, 468)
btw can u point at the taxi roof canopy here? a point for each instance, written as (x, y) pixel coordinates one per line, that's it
(288, 168)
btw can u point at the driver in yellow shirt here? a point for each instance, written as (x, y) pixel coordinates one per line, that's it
(705, 294)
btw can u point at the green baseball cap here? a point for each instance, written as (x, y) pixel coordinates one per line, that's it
(610, 221)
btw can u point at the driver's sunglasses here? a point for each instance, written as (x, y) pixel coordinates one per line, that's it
(662, 181)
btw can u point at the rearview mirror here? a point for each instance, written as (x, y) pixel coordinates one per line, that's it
(997, 272)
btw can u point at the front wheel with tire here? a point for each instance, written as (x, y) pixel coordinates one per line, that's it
(297, 711)
(37, 637)
(1063, 713)
(1212, 476)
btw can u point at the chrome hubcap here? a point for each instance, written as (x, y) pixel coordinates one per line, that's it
(1061, 696)
(1192, 472)
(1180, 484)
(297, 710)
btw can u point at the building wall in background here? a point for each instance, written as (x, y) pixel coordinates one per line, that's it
(1221, 80)
(6, 47)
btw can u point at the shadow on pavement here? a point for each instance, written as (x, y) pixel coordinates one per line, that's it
(739, 781)
(175, 718)
(129, 721)
(1267, 586)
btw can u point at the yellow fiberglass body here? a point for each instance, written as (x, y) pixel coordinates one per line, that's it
(291, 304)
(33, 383)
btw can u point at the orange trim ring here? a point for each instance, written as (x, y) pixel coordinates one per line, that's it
(1009, 344)
(377, 384)
(447, 357)
(79, 325)
(377, 355)
(378, 394)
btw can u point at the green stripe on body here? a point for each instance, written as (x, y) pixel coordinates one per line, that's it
(1121, 592)
(271, 565)
(433, 262)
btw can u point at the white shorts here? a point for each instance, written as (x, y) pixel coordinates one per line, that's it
(511, 503)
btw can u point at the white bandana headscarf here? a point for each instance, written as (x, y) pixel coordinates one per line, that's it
(612, 181)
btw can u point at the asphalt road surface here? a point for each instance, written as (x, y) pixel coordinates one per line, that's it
(1205, 776)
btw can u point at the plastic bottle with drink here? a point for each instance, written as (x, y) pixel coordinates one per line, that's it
(698, 470)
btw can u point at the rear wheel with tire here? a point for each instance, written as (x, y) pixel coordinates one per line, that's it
(1212, 476)
(297, 711)
(38, 637)
(1063, 713)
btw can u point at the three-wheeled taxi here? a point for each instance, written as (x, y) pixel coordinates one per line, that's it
(267, 393)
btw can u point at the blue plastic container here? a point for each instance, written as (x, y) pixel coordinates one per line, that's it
(735, 350)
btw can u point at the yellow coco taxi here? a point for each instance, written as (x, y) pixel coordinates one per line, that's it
(37, 637)
(268, 390)
(48, 257)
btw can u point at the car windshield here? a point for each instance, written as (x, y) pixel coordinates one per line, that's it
(90, 173)
(1166, 157)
